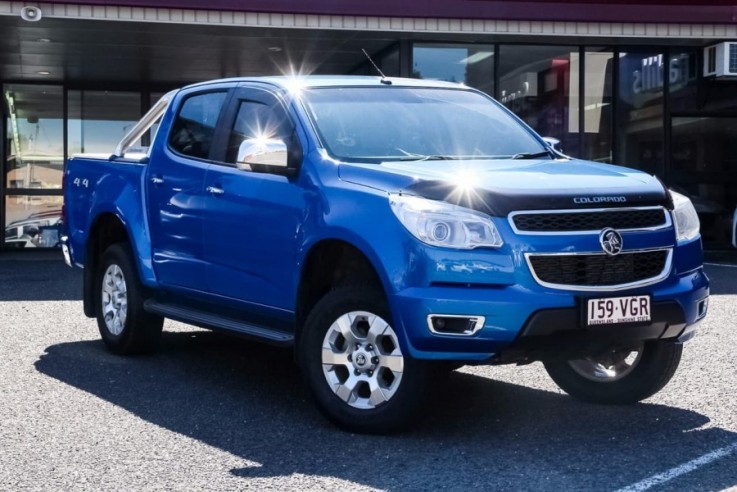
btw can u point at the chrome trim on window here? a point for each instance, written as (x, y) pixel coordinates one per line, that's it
(604, 288)
(480, 320)
(510, 218)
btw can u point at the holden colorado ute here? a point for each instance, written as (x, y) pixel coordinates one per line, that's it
(386, 230)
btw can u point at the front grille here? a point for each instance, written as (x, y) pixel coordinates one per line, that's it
(590, 220)
(598, 270)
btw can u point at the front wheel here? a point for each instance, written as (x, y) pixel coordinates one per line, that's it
(354, 364)
(619, 376)
(124, 325)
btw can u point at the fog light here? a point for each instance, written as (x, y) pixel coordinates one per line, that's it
(702, 308)
(453, 324)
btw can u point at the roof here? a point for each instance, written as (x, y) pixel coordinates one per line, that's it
(312, 81)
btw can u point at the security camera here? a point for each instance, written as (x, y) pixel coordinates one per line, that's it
(31, 14)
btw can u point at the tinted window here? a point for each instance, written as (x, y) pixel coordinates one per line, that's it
(194, 126)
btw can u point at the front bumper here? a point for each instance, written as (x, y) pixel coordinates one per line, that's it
(517, 318)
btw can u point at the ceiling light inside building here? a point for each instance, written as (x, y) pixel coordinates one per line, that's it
(43, 72)
(44, 40)
(275, 49)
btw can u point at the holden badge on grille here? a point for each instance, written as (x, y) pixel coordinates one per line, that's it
(611, 241)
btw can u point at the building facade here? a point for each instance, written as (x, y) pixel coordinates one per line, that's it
(627, 82)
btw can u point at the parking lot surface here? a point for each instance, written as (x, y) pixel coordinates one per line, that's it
(213, 412)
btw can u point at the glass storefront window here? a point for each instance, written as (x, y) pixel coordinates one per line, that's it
(541, 85)
(32, 221)
(704, 168)
(684, 70)
(386, 60)
(471, 64)
(597, 105)
(389, 63)
(98, 120)
(690, 92)
(640, 111)
(34, 142)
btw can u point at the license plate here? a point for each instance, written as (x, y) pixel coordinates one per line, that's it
(611, 310)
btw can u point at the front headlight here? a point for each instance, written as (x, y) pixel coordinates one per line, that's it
(685, 217)
(442, 224)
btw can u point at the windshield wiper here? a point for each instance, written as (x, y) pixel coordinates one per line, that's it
(418, 157)
(531, 155)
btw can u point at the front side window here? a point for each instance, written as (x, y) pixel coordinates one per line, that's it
(259, 121)
(194, 127)
(380, 124)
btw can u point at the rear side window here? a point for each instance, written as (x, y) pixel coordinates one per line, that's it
(194, 127)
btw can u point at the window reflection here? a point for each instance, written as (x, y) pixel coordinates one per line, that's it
(690, 92)
(98, 120)
(704, 168)
(540, 84)
(34, 156)
(640, 118)
(32, 221)
(597, 105)
(472, 65)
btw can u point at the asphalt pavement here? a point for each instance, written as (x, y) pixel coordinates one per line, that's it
(212, 412)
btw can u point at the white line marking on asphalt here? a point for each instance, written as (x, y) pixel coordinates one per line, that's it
(721, 265)
(681, 469)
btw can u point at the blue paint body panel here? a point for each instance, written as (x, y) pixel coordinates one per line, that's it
(246, 249)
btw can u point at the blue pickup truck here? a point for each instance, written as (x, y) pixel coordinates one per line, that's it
(388, 231)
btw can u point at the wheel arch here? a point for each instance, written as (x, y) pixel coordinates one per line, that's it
(345, 263)
(106, 229)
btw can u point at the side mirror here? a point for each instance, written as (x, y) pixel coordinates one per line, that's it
(553, 143)
(262, 152)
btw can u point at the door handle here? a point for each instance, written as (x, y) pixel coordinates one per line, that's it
(214, 190)
(157, 180)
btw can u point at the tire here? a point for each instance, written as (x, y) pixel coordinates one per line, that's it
(356, 370)
(594, 380)
(124, 325)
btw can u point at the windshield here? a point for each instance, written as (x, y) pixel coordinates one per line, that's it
(377, 124)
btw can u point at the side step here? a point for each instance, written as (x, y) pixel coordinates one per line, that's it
(215, 322)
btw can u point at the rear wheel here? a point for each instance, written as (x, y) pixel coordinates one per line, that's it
(619, 376)
(124, 325)
(354, 364)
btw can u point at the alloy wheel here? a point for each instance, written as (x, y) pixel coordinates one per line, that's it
(361, 360)
(114, 299)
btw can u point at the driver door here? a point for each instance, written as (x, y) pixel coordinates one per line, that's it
(253, 214)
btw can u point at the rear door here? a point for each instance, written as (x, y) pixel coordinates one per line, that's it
(175, 184)
(253, 217)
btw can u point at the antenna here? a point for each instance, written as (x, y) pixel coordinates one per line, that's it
(384, 80)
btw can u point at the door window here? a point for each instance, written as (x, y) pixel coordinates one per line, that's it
(256, 120)
(194, 127)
